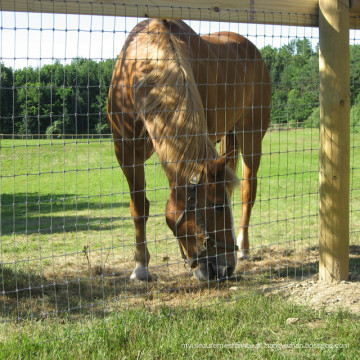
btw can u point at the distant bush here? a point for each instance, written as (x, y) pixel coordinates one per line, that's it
(314, 119)
(355, 118)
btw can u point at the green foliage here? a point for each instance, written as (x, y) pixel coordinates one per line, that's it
(354, 71)
(72, 98)
(56, 99)
(6, 83)
(314, 119)
(355, 118)
(294, 75)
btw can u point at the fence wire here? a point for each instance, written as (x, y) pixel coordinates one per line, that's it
(67, 234)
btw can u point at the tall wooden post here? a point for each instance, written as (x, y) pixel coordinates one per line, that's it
(334, 169)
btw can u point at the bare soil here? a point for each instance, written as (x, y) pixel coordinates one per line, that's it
(343, 295)
(334, 296)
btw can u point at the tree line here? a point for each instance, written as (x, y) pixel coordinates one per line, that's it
(71, 98)
(56, 99)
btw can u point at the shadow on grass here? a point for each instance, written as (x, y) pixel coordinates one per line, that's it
(49, 213)
(100, 289)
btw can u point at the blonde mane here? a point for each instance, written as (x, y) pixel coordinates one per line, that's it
(172, 109)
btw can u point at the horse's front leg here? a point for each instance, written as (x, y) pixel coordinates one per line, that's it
(139, 207)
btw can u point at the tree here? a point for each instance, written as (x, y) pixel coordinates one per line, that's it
(6, 100)
(294, 74)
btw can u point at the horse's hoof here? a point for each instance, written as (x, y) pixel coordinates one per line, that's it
(141, 273)
(243, 255)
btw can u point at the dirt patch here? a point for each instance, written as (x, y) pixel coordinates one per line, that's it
(343, 295)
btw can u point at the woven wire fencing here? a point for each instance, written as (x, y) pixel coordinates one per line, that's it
(67, 234)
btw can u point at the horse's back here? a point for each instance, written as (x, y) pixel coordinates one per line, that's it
(228, 69)
(257, 81)
(234, 78)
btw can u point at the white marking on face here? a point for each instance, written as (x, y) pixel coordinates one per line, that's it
(232, 224)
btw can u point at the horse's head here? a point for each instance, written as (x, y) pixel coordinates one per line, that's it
(200, 216)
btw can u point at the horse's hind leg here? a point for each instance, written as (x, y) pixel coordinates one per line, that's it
(249, 142)
(250, 166)
(229, 147)
(139, 206)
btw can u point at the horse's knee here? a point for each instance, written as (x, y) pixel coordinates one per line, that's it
(140, 211)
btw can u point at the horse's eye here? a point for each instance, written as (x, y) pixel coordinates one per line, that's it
(219, 208)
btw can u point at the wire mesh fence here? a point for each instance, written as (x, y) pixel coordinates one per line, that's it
(67, 222)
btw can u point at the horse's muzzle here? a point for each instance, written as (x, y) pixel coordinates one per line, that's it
(210, 268)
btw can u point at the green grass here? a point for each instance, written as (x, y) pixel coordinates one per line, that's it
(61, 197)
(252, 327)
(67, 245)
(55, 189)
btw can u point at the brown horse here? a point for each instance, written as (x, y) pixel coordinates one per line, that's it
(176, 93)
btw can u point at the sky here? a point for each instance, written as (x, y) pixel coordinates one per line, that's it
(33, 39)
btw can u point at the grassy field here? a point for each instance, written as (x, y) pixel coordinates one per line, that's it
(67, 247)
(254, 327)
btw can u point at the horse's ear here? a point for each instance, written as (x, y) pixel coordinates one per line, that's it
(221, 171)
(217, 166)
(231, 153)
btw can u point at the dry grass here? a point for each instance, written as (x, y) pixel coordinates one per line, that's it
(98, 283)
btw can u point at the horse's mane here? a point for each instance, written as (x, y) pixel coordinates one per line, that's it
(172, 110)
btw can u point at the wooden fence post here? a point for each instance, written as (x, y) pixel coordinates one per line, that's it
(334, 167)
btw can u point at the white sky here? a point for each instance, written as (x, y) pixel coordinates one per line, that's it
(32, 39)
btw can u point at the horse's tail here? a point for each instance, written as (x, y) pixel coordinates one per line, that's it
(172, 108)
